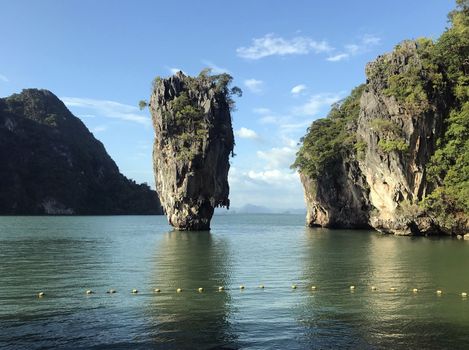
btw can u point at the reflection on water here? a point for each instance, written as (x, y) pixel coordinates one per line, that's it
(391, 315)
(65, 256)
(189, 261)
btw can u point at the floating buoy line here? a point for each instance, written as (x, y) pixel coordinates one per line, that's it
(242, 287)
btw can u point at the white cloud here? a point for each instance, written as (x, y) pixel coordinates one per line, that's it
(270, 173)
(270, 45)
(271, 119)
(274, 176)
(254, 85)
(256, 187)
(316, 102)
(370, 39)
(278, 157)
(338, 57)
(352, 49)
(246, 133)
(4, 78)
(175, 70)
(99, 128)
(298, 89)
(286, 124)
(87, 116)
(108, 109)
(215, 69)
(365, 43)
(261, 110)
(294, 127)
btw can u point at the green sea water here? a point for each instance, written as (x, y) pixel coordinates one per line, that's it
(65, 256)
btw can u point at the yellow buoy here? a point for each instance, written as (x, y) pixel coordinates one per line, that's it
(41, 294)
(313, 288)
(261, 286)
(415, 290)
(293, 286)
(179, 290)
(352, 287)
(221, 289)
(373, 288)
(200, 290)
(439, 292)
(157, 290)
(464, 294)
(134, 291)
(241, 287)
(89, 291)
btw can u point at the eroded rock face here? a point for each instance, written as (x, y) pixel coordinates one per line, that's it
(382, 183)
(395, 177)
(338, 198)
(193, 142)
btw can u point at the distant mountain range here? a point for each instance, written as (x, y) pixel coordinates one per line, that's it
(259, 209)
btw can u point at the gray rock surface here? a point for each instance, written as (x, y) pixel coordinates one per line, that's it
(382, 189)
(193, 142)
(396, 177)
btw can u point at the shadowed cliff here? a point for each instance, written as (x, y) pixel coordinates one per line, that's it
(50, 163)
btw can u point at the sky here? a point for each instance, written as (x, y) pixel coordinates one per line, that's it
(291, 59)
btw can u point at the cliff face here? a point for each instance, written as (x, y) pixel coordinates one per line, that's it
(394, 155)
(338, 197)
(397, 175)
(193, 142)
(51, 164)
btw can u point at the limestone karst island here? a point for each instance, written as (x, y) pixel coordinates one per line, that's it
(193, 142)
(236, 175)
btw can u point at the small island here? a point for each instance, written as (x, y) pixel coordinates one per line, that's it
(193, 142)
(393, 156)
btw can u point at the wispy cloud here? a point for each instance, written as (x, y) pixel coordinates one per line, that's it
(338, 57)
(215, 69)
(174, 70)
(245, 133)
(107, 109)
(298, 89)
(4, 78)
(261, 110)
(99, 128)
(316, 103)
(273, 119)
(274, 176)
(87, 116)
(256, 187)
(278, 157)
(287, 124)
(270, 45)
(254, 85)
(365, 43)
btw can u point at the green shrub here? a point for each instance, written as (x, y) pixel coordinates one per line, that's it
(385, 126)
(388, 146)
(328, 138)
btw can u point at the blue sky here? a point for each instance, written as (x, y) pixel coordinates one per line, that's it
(292, 60)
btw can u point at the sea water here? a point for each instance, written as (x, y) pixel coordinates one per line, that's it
(65, 256)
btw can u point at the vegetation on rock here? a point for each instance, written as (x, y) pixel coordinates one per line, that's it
(449, 166)
(193, 141)
(327, 139)
(427, 80)
(52, 164)
(184, 115)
